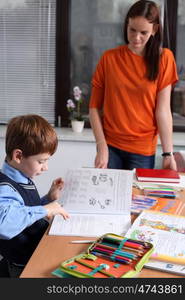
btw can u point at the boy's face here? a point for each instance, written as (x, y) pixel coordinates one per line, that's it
(34, 165)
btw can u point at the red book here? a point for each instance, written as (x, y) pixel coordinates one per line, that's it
(157, 175)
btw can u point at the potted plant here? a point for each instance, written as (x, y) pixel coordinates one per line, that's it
(74, 107)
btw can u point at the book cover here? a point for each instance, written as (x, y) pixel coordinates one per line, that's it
(165, 231)
(141, 202)
(97, 200)
(157, 175)
(166, 267)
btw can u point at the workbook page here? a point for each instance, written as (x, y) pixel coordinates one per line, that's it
(90, 225)
(104, 191)
(165, 231)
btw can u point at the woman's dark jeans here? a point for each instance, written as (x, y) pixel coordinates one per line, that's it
(119, 159)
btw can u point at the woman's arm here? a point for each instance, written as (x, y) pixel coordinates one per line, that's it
(101, 159)
(165, 126)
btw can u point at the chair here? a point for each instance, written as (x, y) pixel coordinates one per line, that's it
(180, 160)
(4, 268)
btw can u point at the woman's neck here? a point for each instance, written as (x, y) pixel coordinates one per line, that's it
(139, 52)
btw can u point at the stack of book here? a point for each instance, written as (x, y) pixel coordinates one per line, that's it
(157, 175)
(162, 192)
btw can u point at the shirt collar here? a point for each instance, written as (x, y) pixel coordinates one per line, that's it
(14, 174)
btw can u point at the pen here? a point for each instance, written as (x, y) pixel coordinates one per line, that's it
(82, 242)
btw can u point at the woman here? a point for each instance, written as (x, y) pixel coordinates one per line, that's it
(130, 100)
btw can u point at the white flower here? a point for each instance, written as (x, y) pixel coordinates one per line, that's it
(75, 107)
(70, 104)
(77, 93)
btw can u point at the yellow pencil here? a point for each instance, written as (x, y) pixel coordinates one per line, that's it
(167, 258)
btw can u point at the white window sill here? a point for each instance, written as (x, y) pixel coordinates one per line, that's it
(66, 134)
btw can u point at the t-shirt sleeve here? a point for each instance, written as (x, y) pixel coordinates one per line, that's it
(97, 83)
(168, 70)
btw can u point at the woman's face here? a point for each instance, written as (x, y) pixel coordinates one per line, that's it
(139, 31)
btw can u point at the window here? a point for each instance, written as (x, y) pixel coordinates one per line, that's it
(48, 46)
(93, 27)
(96, 26)
(27, 58)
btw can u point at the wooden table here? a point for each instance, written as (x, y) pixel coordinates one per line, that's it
(52, 250)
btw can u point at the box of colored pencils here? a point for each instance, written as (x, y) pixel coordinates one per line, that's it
(110, 256)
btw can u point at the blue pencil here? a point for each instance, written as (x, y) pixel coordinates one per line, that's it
(144, 201)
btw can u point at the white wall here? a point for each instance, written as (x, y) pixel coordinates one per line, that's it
(69, 154)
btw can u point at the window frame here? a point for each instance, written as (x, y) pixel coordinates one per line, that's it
(63, 31)
(63, 9)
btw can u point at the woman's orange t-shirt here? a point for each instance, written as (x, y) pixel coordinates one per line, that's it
(128, 99)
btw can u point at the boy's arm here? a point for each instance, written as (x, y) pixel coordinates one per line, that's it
(54, 192)
(14, 215)
(52, 206)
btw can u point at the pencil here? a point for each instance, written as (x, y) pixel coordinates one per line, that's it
(82, 242)
(167, 258)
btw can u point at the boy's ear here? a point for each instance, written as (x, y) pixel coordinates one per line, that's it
(17, 155)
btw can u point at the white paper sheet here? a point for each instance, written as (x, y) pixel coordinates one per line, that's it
(90, 225)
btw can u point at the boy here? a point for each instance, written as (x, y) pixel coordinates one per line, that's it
(30, 141)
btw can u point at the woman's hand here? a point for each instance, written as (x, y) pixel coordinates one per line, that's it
(169, 163)
(102, 156)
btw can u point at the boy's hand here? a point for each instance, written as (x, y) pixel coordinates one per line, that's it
(54, 208)
(55, 190)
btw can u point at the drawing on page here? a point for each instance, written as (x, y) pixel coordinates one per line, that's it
(162, 226)
(147, 235)
(102, 178)
(94, 202)
(94, 190)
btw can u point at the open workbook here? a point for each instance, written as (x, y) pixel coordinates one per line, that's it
(167, 233)
(98, 201)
